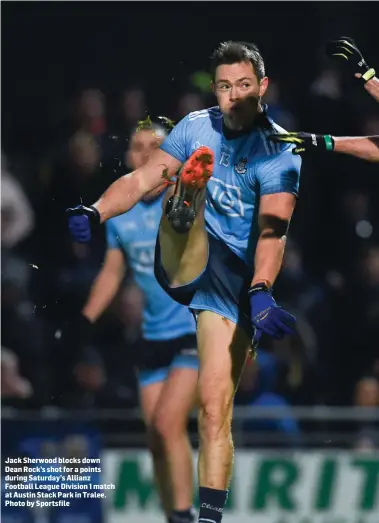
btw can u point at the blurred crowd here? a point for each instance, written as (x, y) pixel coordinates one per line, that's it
(329, 280)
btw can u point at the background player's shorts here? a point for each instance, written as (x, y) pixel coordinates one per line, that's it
(222, 287)
(159, 358)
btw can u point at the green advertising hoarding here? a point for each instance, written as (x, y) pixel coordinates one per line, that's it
(267, 487)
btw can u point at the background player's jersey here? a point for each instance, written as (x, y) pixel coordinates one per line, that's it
(246, 167)
(135, 233)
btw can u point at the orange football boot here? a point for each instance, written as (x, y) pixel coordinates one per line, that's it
(191, 181)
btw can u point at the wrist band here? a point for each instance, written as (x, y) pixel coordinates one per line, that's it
(329, 142)
(96, 214)
(368, 75)
(264, 282)
(261, 285)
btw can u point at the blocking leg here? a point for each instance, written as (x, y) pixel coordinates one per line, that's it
(223, 349)
(149, 397)
(170, 424)
(184, 256)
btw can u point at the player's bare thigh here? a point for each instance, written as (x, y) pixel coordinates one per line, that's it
(168, 403)
(149, 397)
(223, 349)
(176, 401)
(183, 256)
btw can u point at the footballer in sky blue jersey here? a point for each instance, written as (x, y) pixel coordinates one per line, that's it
(135, 235)
(247, 167)
(224, 270)
(167, 363)
(165, 321)
(168, 328)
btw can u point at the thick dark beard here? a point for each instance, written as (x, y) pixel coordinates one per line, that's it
(245, 114)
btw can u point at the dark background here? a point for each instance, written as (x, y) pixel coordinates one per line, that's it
(52, 53)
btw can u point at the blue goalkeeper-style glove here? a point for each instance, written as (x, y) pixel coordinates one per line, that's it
(266, 315)
(81, 220)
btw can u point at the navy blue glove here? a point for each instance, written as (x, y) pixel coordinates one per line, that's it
(266, 315)
(81, 219)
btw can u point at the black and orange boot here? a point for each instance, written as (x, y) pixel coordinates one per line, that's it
(191, 181)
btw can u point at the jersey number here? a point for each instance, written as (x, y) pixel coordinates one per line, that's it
(225, 159)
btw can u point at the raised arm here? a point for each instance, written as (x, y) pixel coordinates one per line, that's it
(364, 147)
(106, 285)
(279, 182)
(275, 212)
(124, 193)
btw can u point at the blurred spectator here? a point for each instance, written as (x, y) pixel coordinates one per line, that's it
(259, 386)
(189, 102)
(20, 332)
(85, 156)
(77, 177)
(128, 307)
(276, 109)
(367, 392)
(367, 395)
(12, 383)
(366, 332)
(17, 217)
(299, 354)
(371, 125)
(355, 227)
(89, 372)
(295, 286)
(91, 112)
(327, 85)
(23, 334)
(131, 110)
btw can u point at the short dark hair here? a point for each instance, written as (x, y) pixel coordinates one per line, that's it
(235, 52)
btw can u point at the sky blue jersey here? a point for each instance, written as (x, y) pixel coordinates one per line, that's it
(247, 166)
(135, 233)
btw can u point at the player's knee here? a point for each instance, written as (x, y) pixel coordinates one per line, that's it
(215, 408)
(155, 442)
(167, 426)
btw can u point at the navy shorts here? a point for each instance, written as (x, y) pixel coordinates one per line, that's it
(159, 358)
(221, 288)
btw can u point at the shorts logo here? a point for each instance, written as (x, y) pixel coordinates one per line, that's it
(240, 167)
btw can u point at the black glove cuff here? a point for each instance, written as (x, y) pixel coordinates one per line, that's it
(258, 287)
(96, 215)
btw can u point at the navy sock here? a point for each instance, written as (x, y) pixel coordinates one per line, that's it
(212, 502)
(182, 516)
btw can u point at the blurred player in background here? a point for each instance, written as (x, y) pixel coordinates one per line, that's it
(221, 240)
(343, 50)
(168, 368)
